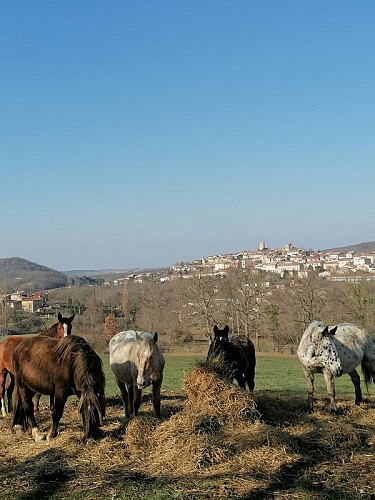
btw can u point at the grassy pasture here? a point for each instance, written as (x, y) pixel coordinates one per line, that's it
(277, 373)
(287, 455)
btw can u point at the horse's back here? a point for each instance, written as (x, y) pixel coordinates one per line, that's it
(241, 350)
(121, 346)
(352, 339)
(7, 347)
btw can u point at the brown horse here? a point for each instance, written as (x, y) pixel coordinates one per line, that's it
(58, 368)
(61, 329)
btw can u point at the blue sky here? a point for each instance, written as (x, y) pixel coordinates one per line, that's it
(143, 133)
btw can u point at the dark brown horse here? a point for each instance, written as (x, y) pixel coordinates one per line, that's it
(58, 368)
(61, 329)
(236, 355)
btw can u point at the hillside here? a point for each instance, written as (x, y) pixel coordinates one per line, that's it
(364, 247)
(21, 274)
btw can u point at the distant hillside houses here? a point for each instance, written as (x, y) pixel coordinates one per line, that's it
(23, 301)
(288, 260)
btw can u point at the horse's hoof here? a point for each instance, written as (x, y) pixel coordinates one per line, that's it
(17, 429)
(37, 435)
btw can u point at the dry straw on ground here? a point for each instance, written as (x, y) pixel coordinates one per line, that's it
(212, 434)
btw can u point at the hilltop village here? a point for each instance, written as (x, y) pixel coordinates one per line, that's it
(288, 260)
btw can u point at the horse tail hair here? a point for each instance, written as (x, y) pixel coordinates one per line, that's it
(367, 373)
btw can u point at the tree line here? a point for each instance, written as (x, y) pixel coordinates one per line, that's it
(272, 310)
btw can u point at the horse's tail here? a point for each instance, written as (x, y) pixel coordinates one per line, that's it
(249, 350)
(367, 372)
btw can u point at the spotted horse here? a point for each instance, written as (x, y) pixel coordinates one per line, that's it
(335, 351)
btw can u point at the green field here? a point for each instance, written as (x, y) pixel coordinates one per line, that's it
(278, 373)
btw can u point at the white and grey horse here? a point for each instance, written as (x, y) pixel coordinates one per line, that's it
(137, 361)
(334, 351)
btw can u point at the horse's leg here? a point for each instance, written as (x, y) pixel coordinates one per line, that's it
(137, 399)
(10, 389)
(3, 375)
(240, 380)
(309, 376)
(330, 383)
(357, 386)
(36, 404)
(18, 422)
(156, 396)
(26, 397)
(249, 376)
(125, 396)
(56, 413)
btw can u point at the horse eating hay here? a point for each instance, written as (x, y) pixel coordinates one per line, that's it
(333, 352)
(58, 368)
(137, 361)
(61, 329)
(237, 353)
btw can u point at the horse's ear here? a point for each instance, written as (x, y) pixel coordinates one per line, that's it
(71, 318)
(216, 330)
(59, 317)
(333, 331)
(137, 337)
(155, 337)
(226, 330)
(325, 331)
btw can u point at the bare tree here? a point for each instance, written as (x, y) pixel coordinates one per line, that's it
(359, 300)
(200, 297)
(246, 294)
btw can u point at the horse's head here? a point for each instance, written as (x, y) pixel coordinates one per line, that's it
(219, 343)
(64, 326)
(323, 349)
(145, 359)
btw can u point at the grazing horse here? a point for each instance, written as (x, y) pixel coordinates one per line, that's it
(58, 368)
(137, 361)
(61, 329)
(334, 351)
(237, 352)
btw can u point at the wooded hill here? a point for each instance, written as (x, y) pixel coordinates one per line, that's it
(21, 274)
(368, 246)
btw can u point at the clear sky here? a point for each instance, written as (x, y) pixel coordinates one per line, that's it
(142, 133)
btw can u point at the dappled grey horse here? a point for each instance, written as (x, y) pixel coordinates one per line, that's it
(334, 351)
(137, 361)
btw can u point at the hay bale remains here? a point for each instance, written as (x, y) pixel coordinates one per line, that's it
(218, 426)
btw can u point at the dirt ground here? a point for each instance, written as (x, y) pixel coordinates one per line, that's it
(220, 445)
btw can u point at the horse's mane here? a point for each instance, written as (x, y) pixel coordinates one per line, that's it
(87, 367)
(48, 332)
(80, 352)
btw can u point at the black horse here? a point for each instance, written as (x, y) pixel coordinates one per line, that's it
(236, 353)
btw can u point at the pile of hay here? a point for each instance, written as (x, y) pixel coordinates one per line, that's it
(218, 427)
